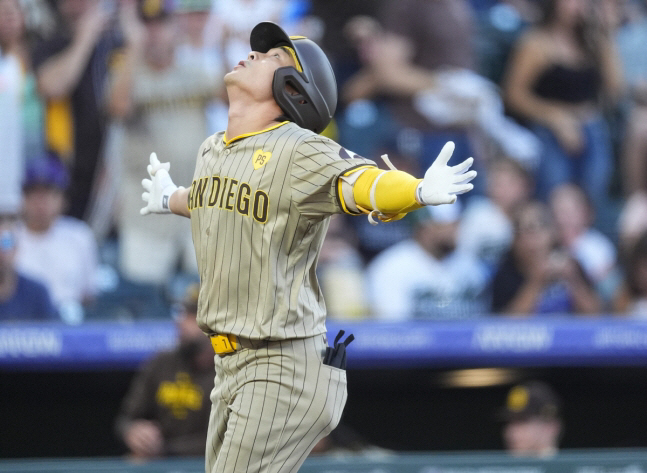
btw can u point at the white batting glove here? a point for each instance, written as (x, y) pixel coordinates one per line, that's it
(442, 183)
(158, 188)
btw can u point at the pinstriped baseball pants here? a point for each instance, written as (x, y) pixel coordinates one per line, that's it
(270, 406)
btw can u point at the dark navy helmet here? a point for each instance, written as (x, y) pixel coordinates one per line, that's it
(314, 103)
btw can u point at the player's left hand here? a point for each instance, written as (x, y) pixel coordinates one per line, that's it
(442, 183)
(158, 188)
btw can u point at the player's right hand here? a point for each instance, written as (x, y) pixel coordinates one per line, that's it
(158, 188)
(442, 183)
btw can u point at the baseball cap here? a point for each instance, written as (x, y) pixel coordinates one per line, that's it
(530, 400)
(46, 171)
(151, 10)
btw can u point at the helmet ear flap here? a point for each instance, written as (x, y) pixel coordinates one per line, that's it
(292, 89)
(304, 107)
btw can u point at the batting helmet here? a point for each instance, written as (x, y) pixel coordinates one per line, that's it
(315, 100)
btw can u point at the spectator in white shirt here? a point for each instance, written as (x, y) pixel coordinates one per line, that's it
(427, 277)
(60, 252)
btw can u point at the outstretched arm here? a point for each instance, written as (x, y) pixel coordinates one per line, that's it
(161, 195)
(394, 193)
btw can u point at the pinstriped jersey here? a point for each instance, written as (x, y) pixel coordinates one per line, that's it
(260, 207)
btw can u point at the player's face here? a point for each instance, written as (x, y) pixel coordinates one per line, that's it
(255, 74)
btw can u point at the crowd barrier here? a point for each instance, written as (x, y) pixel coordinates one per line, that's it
(621, 461)
(490, 341)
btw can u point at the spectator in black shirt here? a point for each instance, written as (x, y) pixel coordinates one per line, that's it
(71, 69)
(166, 410)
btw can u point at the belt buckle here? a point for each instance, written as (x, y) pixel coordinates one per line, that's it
(224, 344)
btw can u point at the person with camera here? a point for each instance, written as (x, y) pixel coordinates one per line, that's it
(538, 277)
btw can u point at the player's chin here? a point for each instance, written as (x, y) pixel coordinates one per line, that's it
(230, 77)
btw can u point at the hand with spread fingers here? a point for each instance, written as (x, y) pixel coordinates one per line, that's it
(442, 183)
(158, 188)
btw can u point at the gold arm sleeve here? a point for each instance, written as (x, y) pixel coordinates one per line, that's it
(394, 192)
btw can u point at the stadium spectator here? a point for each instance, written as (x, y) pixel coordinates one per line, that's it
(398, 62)
(595, 253)
(71, 68)
(161, 105)
(234, 19)
(486, 227)
(11, 136)
(537, 276)
(166, 410)
(532, 416)
(426, 277)
(21, 298)
(632, 223)
(631, 297)
(58, 251)
(452, 100)
(459, 101)
(194, 50)
(15, 40)
(499, 29)
(192, 18)
(558, 78)
(631, 39)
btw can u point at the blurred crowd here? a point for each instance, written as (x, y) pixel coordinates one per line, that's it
(549, 96)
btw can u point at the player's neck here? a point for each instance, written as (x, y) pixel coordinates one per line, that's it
(246, 116)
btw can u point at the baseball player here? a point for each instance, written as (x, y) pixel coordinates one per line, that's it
(259, 204)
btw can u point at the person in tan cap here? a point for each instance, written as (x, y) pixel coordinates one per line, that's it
(533, 422)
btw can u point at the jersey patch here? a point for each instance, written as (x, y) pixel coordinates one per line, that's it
(261, 158)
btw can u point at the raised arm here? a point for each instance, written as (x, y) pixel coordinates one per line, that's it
(60, 74)
(120, 101)
(391, 194)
